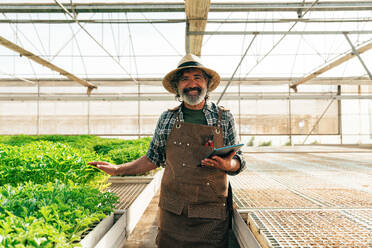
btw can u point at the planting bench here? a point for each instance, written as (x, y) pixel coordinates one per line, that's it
(135, 193)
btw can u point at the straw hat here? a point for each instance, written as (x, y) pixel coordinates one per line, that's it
(191, 61)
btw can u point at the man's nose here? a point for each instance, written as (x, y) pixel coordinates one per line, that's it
(193, 83)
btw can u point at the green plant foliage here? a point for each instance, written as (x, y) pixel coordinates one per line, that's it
(76, 141)
(17, 140)
(251, 141)
(29, 232)
(128, 153)
(49, 195)
(107, 145)
(90, 142)
(44, 161)
(51, 215)
(267, 143)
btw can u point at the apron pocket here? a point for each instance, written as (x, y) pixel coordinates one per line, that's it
(171, 204)
(209, 210)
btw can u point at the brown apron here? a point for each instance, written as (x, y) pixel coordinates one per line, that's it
(193, 199)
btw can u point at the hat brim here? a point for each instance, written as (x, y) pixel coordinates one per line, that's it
(214, 82)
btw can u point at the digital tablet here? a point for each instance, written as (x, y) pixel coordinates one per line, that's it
(224, 151)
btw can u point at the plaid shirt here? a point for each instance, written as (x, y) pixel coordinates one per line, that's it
(156, 151)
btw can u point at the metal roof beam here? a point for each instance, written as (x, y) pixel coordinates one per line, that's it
(166, 97)
(123, 82)
(180, 7)
(331, 65)
(355, 51)
(289, 6)
(281, 32)
(181, 20)
(91, 7)
(43, 62)
(99, 21)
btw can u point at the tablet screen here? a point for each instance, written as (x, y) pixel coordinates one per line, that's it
(224, 151)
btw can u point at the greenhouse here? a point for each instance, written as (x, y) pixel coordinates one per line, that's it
(87, 81)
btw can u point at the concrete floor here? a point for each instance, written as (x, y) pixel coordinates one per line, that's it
(144, 234)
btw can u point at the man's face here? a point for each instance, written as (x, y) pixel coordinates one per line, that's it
(192, 86)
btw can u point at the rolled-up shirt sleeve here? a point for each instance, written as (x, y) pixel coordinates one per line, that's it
(231, 138)
(156, 151)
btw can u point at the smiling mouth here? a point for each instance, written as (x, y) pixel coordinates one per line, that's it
(192, 91)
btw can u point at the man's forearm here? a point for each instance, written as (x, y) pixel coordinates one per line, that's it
(138, 166)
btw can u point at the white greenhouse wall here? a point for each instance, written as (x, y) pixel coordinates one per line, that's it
(121, 118)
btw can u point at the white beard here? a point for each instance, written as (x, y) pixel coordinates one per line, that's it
(194, 100)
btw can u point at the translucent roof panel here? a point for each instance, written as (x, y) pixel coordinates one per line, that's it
(150, 44)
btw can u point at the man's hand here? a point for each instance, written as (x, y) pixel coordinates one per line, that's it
(226, 163)
(138, 166)
(106, 167)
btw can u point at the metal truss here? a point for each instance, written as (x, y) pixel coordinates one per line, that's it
(180, 7)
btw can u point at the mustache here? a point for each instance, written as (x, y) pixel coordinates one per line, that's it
(187, 90)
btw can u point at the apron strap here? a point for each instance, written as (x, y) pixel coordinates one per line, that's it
(178, 120)
(219, 117)
(220, 110)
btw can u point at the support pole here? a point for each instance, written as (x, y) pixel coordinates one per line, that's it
(239, 114)
(317, 122)
(187, 41)
(38, 109)
(339, 106)
(139, 110)
(88, 114)
(236, 69)
(290, 117)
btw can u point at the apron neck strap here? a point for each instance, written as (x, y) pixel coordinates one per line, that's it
(178, 117)
(219, 117)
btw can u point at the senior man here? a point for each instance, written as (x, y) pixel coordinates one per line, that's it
(195, 196)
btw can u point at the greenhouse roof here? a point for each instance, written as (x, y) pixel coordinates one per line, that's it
(296, 42)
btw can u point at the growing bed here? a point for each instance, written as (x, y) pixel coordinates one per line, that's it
(135, 193)
(317, 198)
(50, 196)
